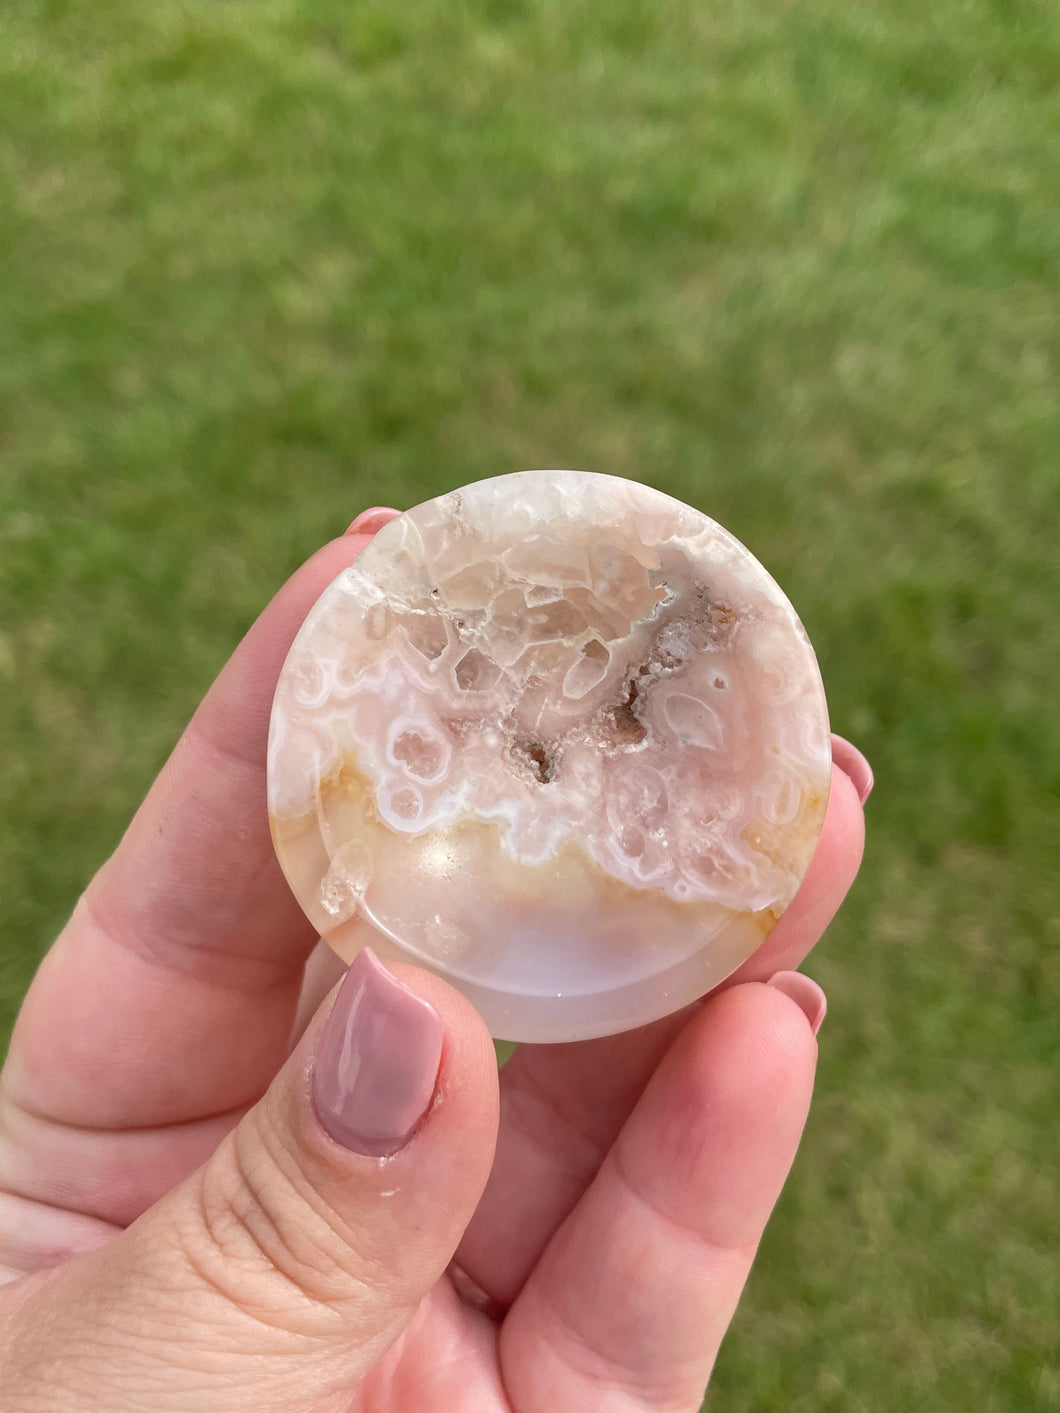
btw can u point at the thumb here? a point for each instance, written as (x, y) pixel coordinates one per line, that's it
(279, 1273)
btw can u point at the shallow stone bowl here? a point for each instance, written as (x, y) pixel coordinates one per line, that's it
(560, 739)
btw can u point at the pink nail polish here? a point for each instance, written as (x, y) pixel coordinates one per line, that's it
(806, 994)
(370, 521)
(378, 1060)
(852, 763)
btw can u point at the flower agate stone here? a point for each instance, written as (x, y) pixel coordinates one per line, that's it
(560, 739)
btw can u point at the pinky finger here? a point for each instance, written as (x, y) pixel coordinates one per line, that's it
(628, 1305)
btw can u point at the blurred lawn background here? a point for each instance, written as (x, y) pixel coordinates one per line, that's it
(265, 264)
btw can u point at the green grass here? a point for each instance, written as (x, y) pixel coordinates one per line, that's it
(264, 264)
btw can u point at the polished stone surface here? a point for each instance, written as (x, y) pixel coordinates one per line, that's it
(558, 737)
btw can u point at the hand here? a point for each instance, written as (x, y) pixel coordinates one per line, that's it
(185, 1216)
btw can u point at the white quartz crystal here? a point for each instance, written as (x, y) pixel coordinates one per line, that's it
(559, 738)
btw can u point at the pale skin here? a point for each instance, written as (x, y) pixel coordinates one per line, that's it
(179, 1233)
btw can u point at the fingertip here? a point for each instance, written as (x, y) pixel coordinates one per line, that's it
(853, 765)
(371, 521)
(443, 1028)
(467, 1089)
(843, 839)
(805, 993)
(761, 1030)
(377, 1061)
(749, 1054)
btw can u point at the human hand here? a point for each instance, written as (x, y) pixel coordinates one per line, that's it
(183, 1231)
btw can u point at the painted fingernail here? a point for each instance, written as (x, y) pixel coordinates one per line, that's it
(377, 1065)
(852, 763)
(369, 521)
(806, 994)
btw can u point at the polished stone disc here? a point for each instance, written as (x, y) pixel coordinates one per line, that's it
(559, 738)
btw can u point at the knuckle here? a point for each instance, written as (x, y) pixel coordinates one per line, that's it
(266, 1242)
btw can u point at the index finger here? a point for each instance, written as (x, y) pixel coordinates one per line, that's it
(170, 993)
(562, 1106)
(638, 1286)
